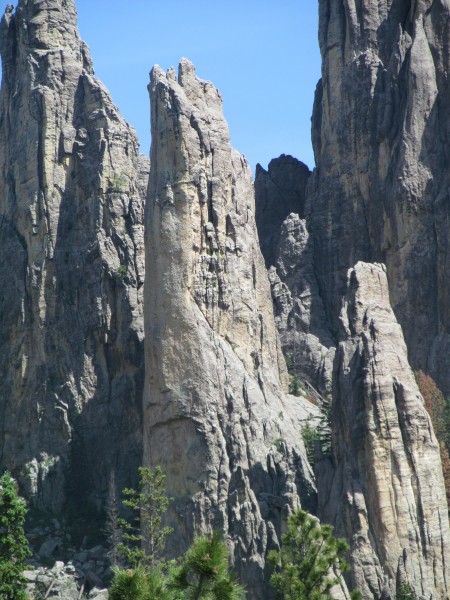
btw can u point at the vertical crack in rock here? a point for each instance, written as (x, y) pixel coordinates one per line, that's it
(71, 234)
(383, 488)
(215, 414)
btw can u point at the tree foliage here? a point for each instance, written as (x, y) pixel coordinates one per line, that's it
(113, 530)
(145, 537)
(204, 572)
(310, 437)
(405, 592)
(316, 432)
(308, 556)
(139, 583)
(14, 548)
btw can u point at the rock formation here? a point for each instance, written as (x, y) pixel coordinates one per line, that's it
(299, 312)
(71, 236)
(380, 192)
(215, 415)
(383, 487)
(279, 191)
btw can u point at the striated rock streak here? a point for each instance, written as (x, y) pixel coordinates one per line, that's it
(385, 490)
(381, 188)
(215, 414)
(71, 235)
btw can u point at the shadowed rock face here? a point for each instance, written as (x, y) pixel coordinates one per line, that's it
(215, 413)
(279, 191)
(287, 247)
(383, 488)
(71, 235)
(380, 191)
(299, 313)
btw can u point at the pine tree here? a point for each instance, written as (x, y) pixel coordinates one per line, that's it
(308, 554)
(204, 572)
(145, 538)
(14, 548)
(139, 584)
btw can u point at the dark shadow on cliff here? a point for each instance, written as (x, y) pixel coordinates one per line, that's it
(100, 357)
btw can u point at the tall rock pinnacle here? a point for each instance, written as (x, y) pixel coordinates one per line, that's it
(381, 188)
(71, 236)
(383, 488)
(215, 414)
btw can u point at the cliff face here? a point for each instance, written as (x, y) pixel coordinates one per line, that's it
(380, 192)
(71, 235)
(215, 412)
(299, 311)
(383, 486)
(216, 416)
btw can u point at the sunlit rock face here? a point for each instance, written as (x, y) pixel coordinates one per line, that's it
(72, 187)
(383, 486)
(216, 415)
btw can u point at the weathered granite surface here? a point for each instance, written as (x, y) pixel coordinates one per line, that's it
(216, 416)
(71, 277)
(383, 486)
(299, 312)
(380, 192)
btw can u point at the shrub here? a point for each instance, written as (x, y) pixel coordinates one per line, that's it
(438, 407)
(310, 437)
(119, 183)
(405, 592)
(129, 584)
(122, 271)
(294, 385)
(14, 548)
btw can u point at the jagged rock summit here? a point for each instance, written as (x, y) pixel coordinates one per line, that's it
(71, 276)
(216, 415)
(279, 191)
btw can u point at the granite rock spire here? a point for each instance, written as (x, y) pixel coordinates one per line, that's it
(72, 188)
(216, 416)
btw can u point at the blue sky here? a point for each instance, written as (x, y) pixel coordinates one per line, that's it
(262, 55)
